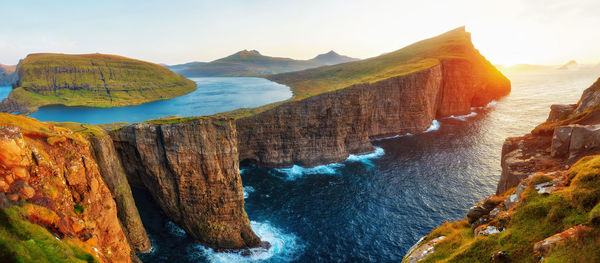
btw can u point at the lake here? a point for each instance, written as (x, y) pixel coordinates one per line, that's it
(213, 95)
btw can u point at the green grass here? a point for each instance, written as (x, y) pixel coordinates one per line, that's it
(534, 219)
(455, 44)
(23, 241)
(94, 80)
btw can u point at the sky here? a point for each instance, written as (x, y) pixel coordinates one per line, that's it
(176, 31)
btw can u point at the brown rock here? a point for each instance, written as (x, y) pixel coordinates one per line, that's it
(328, 127)
(48, 195)
(192, 171)
(560, 112)
(572, 233)
(116, 180)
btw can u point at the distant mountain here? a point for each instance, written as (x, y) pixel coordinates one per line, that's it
(7, 75)
(571, 64)
(252, 63)
(332, 58)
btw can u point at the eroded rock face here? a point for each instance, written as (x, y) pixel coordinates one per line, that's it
(114, 177)
(328, 127)
(572, 139)
(192, 171)
(54, 173)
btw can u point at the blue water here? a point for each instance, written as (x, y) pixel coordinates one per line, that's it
(4, 90)
(372, 208)
(213, 95)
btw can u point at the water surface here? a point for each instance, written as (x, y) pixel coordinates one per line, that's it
(4, 90)
(213, 95)
(372, 208)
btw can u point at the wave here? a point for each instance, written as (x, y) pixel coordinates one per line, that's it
(393, 137)
(285, 247)
(366, 158)
(463, 117)
(297, 171)
(248, 190)
(435, 125)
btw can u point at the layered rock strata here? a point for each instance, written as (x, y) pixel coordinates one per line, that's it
(50, 175)
(112, 172)
(328, 127)
(192, 171)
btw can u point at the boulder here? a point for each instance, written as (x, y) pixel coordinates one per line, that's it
(420, 251)
(573, 139)
(560, 111)
(561, 141)
(572, 233)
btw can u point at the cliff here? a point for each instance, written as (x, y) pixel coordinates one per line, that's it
(94, 80)
(7, 75)
(192, 171)
(336, 110)
(54, 203)
(114, 177)
(547, 205)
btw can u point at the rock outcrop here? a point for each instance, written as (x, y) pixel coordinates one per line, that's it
(49, 174)
(192, 171)
(112, 172)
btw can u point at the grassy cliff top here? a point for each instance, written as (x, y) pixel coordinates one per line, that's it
(95, 80)
(455, 44)
(535, 218)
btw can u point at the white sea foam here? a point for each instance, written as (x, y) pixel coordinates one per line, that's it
(297, 171)
(284, 247)
(175, 229)
(248, 190)
(435, 125)
(463, 117)
(366, 158)
(393, 137)
(491, 104)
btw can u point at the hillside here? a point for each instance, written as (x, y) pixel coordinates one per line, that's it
(332, 58)
(252, 63)
(7, 75)
(453, 45)
(569, 65)
(94, 80)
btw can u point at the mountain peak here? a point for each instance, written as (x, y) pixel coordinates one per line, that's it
(331, 58)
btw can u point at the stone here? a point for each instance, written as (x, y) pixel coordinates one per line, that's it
(560, 112)
(476, 212)
(486, 230)
(572, 233)
(561, 141)
(420, 251)
(500, 257)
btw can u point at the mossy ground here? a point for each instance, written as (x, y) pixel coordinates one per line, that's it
(23, 241)
(94, 80)
(535, 218)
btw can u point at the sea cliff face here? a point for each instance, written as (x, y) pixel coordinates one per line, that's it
(192, 171)
(328, 127)
(547, 204)
(54, 201)
(112, 172)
